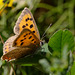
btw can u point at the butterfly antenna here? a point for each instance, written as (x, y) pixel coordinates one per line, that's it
(1, 39)
(46, 31)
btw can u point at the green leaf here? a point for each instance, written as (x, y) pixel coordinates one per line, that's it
(60, 39)
(72, 71)
(26, 65)
(45, 64)
(45, 48)
(55, 41)
(67, 39)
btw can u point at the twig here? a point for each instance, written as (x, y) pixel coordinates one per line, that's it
(1, 39)
(13, 68)
(11, 71)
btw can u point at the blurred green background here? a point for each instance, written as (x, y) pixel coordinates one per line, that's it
(59, 13)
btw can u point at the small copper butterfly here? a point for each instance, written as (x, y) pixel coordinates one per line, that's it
(26, 39)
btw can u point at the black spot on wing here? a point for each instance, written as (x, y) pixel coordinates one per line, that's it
(29, 33)
(23, 26)
(33, 31)
(27, 19)
(32, 40)
(21, 40)
(25, 35)
(31, 19)
(24, 38)
(26, 24)
(5, 48)
(22, 43)
(30, 37)
(31, 25)
(5, 51)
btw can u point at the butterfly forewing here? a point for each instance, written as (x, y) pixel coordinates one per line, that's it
(26, 21)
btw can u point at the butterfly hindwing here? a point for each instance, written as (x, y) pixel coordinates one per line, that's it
(12, 51)
(25, 39)
(8, 44)
(17, 52)
(26, 20)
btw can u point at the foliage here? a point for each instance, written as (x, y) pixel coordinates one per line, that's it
(56, 56)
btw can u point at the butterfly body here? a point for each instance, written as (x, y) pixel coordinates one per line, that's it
(26, 39)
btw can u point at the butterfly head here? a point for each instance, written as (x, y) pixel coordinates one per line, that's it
(42, 42)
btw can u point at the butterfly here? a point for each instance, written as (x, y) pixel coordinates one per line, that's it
(26, 39)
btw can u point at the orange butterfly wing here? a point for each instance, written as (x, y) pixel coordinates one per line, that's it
(25, 39)
(26, 21)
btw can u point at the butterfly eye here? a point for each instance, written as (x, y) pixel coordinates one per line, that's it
(42, 43)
